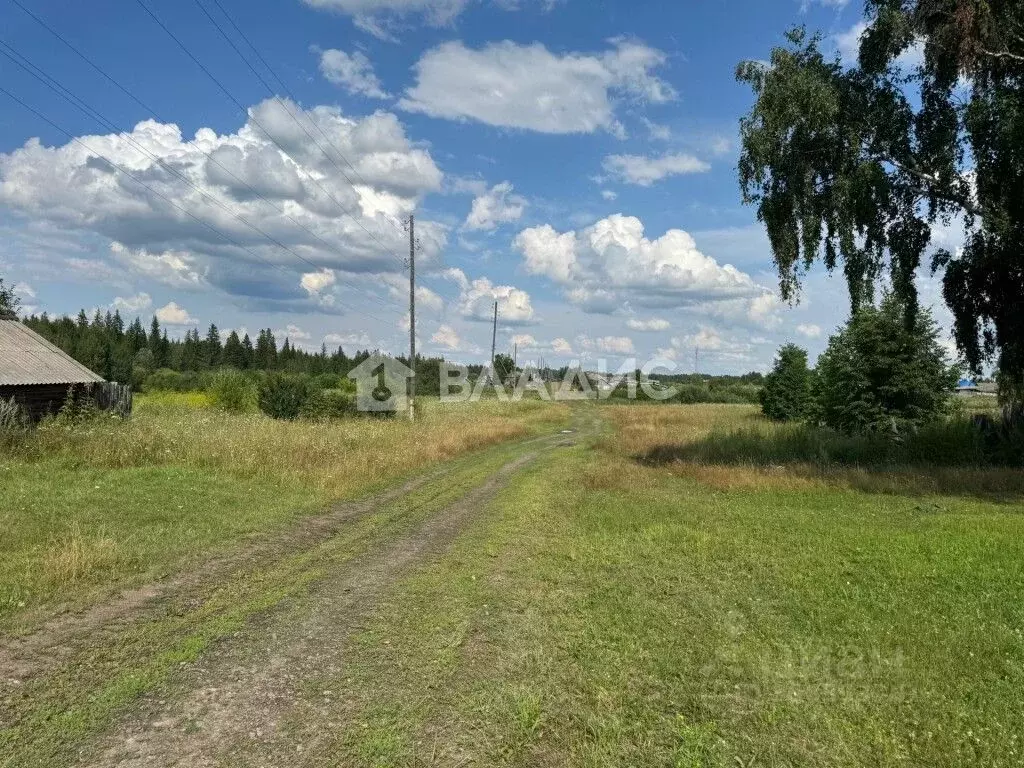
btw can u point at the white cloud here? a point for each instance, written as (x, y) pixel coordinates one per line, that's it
(810, 330)
(848, 45)
(657, 132)
(426, 299)
(24, 290)
(352, 71)
(316, 282)
(136, 303)
(612, 345)
(644, 171)
(612, 263)
(313, 208)
(477, 297)
(497, 206)
(351, 340)
(177, 269)
(524, 340)
(609, 195)
(561, 346)
(446, 336)
(529, 87)
(172, 314)
(654, 324)
(294, 333)
(382, 18)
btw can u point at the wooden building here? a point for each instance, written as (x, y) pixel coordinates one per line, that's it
(37, 374)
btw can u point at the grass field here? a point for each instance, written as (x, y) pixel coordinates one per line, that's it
(89, 509)
(603, 610)
(608, 613)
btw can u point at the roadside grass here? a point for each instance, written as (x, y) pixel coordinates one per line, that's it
(607, 613)
(109, 504)
(53, 719)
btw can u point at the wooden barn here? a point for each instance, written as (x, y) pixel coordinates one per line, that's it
(39, 376)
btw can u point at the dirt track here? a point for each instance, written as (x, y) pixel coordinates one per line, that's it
(238, 703)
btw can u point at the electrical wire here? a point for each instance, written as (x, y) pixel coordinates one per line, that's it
(121, 169)
(54, 85)
(209, 155)
(251, 117)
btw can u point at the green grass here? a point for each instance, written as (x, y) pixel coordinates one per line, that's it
(606, 614)
(94, 508)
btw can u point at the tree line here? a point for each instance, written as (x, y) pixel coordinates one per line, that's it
(131, 353)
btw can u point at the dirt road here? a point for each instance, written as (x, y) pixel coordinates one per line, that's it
(309, 590)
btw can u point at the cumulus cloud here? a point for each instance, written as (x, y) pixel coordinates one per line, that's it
(561, 346)
(136, 303)
(477, 297)
(172, 314)
(810, 330)
(359, 340)
(645, 171)
(232, 191)
(654, 324)
(352, 71)
(496, 206)
(612, 263)
(611, 345)
(609, 195)
(446, 336)
(383, 18)
(528, 87)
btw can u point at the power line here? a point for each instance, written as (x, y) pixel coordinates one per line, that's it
(84, 107)
(284, 87)
(154, 113)
(268, 134)
(141, 183)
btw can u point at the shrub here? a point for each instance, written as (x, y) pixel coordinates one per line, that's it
(786, 394)
(13, 418)
(881, 375)
(231, 390)
(283, 395)
(328, 404)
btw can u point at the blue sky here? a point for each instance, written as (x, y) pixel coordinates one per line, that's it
(573, 160)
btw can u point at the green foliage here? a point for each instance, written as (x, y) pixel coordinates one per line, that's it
(734, 394)
(853, 166)
(504, 366)
(878, 375)
(9, 302)
(328, 404)
(233, 391)
(283, 395)
(786, 394)
(13, 417)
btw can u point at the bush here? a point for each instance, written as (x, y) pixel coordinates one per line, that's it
(881, 375)
(282, 395)
(231, 390)
(13, 418)
(786, 395)
(328, 404)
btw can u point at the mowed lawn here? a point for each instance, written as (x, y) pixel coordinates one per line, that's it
(88, 510)
(607, 613)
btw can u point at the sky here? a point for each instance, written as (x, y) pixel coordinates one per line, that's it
(252, 164)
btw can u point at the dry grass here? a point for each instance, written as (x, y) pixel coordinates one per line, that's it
(338, 458)
(76, 557)
(668, 432)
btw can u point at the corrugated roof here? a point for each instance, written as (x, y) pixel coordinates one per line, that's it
(28, 358)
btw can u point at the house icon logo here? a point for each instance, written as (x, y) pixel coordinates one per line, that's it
(381, 384)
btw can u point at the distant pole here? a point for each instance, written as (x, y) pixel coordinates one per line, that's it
(412, 317)
(494, 338)
(696, 360)
(515, 356)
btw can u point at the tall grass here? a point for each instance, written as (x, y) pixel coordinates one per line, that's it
(336, 457)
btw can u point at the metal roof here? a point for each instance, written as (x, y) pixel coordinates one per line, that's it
(28, 358)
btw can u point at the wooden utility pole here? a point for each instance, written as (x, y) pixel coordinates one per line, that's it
(412, 317)
(494, 339)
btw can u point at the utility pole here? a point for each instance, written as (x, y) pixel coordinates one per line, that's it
(494, 339)
(696, 361)
(412, 317)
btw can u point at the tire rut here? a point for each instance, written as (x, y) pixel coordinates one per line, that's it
(230, 705)
(22, 658)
